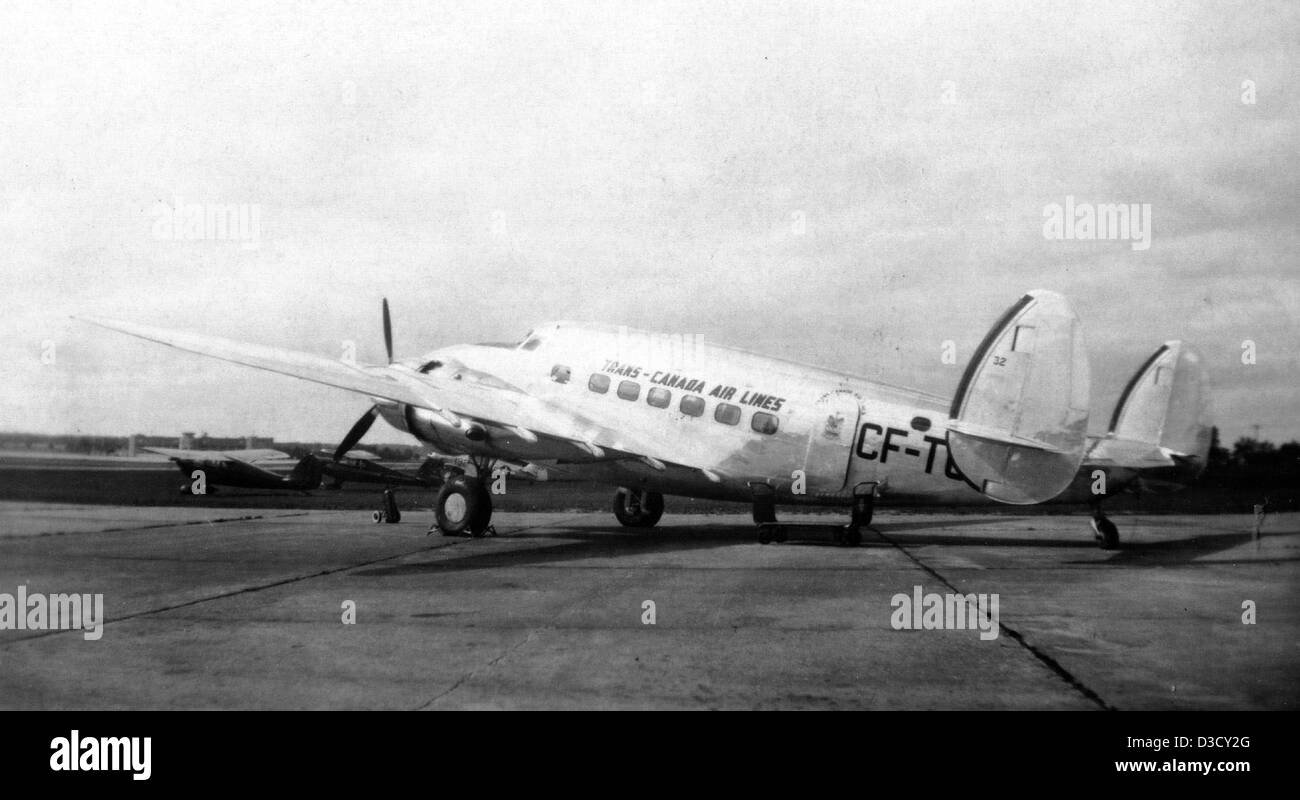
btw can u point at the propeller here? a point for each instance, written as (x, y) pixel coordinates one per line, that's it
(388, 332)
(362, 425)
(358, 430)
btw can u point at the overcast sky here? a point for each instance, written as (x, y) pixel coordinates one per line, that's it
(847, 184)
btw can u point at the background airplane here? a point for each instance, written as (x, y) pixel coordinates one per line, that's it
(657, 414)
(204, 470)
(360, 466)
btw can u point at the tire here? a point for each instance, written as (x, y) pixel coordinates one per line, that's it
(1106, 533)
(483, 516)
(764, 535)
(638, 508)
(376, 517)
(764, 512)
(852, 537)
(463, 507)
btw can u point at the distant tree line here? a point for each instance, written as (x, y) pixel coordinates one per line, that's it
(1253, 462)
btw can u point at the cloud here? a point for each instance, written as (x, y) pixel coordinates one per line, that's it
(790, 179)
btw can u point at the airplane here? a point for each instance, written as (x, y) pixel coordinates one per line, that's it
(661, 414)
(364, 467)
(248, 469)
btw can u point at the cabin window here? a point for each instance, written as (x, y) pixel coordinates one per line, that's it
(763, 422)
(533, 343)
(560, 373)
(692, 406)
(599, 383)
(659, 397)
(629, 390)
(727, 414)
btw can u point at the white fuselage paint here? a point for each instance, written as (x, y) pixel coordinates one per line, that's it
(841, 430)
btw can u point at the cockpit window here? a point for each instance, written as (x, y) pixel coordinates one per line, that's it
(429, 366)
(531, 341)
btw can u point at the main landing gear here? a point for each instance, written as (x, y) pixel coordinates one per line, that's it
(850, 535)
(463, 507)
(1103, 529)
(638, 508)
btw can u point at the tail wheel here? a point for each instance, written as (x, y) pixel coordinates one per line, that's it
(637, 508)
(463, 507)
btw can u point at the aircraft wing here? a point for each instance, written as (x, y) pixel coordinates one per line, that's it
(480, 397)
(246, 456)
(373, 381)
(259, 454)
(231, 457)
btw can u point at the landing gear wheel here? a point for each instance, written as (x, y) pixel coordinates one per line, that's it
(463, 507)
(638, 508)
(764, 534)
(1105, 531)
(780, 536)
(852, 536)
(376, 517)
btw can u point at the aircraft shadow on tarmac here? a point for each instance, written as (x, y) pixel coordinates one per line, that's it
(1186, 552)
(574, 546)
(616, 541)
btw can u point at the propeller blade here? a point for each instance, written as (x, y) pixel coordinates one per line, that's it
(358, 430)
(388, 332)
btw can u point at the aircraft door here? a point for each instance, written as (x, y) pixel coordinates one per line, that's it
(830, 441)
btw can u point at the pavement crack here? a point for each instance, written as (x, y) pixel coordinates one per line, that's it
(492, 662)
(1046, 660)
(247, 589)
(223, 595)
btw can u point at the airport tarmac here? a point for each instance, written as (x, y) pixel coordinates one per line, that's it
(241, 608)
